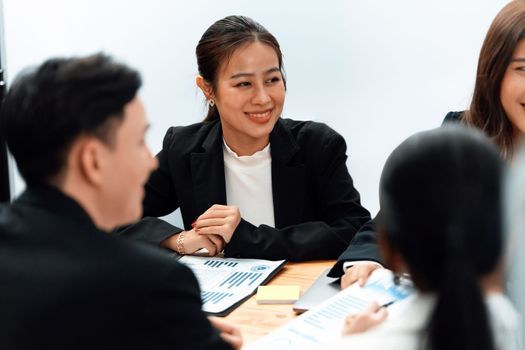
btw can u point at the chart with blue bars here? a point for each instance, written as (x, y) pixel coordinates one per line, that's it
(214, 297)
(326, 321)
(217, 263)
(240, 279)
(227, 281)
(395, 291)
(337, 310)
(383, 290)
(232, 281)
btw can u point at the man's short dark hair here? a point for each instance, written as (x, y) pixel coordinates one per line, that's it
(48, 107)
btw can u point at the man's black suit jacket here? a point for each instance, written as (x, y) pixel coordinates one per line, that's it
(66, 285)
(317, 210)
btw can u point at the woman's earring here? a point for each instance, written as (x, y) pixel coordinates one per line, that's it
(211, 102)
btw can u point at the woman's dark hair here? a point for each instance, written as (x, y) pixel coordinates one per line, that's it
(486, 110)
(221, 40)
(440, 198)
(47, 108)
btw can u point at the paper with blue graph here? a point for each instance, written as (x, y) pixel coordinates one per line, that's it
(225, 282)
(325, 322)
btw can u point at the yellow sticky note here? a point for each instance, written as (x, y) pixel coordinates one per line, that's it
(277, 294)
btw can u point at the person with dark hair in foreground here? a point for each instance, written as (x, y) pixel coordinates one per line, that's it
(76, 130)
(441, 222)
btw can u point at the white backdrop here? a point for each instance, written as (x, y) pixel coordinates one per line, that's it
(376, 71)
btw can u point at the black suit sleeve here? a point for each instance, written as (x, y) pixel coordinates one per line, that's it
(175, 310)
(149, 229)
(363, 247)
(339, 215)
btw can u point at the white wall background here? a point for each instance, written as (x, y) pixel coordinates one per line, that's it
(376, 71)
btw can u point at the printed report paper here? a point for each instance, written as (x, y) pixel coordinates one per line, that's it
(325, 321)
(225, 282)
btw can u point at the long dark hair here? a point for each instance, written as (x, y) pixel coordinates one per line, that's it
(486, 111)
(220, 41)
(440, 203)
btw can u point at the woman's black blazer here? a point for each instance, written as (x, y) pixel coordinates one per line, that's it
(316, 207)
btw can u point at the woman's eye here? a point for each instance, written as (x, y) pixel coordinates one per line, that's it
(273, 80)
(243, 84)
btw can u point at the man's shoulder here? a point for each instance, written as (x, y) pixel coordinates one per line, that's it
(60, 237)
(136, 253)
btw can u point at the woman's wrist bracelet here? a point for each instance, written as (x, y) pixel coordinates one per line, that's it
(180, 243)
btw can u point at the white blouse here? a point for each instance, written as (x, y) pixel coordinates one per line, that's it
(249, 185)
(404, 331)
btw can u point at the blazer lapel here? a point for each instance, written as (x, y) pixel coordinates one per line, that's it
(207, 171)
(288, 178)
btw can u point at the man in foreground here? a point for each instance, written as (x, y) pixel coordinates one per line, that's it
(76, 130)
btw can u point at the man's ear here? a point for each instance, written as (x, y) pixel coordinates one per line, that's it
(205, 87)
(91, 160)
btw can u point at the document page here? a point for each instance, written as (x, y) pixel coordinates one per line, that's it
(226, 281)
(325, 321)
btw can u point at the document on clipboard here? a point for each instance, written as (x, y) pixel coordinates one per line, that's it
(325, 322)
(226, 282)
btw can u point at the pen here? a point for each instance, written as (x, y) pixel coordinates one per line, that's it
(388, 304)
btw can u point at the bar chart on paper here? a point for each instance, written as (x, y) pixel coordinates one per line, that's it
(325, 321)
(224, 282)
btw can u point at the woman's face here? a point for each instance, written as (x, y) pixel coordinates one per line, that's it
(512, 93)
(249, 95)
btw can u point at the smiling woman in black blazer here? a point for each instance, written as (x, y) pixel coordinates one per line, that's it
(246, 180)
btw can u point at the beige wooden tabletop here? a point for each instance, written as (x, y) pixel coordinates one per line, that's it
(256, 320)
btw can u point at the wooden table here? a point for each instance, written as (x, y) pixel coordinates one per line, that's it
(256, 320)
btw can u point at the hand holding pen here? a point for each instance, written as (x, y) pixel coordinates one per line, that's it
(373, 315)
